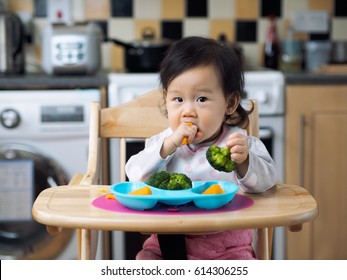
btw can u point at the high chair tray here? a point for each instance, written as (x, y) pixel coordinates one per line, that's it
(174, 197)
(71, 207)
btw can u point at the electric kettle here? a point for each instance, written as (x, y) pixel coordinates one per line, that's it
(11, 44)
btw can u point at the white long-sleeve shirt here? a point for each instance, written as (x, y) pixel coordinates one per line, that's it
(191, 160)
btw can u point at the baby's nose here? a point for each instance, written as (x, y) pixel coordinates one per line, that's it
(189, 109)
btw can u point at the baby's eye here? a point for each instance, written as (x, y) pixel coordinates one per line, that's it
(201, 99)
(178, 99)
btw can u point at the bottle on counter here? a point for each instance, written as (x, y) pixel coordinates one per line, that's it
(272, 46)
(291, 53)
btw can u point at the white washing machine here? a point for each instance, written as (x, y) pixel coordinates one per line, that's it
(43, 142)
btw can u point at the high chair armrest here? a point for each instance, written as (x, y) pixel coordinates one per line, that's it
(76, 179)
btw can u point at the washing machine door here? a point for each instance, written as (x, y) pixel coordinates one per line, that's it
(24, 173)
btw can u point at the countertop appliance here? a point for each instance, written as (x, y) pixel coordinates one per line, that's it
(71, 49)
(145, 55)
(43, 142)
(11, 44)
(266, 86)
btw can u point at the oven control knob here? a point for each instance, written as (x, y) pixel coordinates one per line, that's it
(10, 118)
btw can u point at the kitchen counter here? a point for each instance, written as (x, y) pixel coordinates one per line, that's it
(304, 78)
(42, 80)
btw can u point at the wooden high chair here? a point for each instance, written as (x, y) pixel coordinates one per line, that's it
(71, 206)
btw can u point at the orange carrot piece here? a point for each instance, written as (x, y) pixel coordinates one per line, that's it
(185, 138)
(110, 196)
(214, 189)
(142, 191)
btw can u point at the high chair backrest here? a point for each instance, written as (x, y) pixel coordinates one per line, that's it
(140, 118)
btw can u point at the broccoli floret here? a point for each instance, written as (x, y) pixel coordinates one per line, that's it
(159, 179)
(169, 181)
(179, 181)
(219, 158)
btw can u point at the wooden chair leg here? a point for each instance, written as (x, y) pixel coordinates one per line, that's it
(87, 244)
(270, 238)
(79, 242)
(263, 244)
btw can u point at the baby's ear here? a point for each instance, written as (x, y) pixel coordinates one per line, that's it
(233, 103)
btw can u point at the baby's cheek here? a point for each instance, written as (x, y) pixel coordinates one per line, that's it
(174, 119)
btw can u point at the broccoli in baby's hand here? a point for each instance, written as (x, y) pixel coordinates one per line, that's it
(219, 158)
(169, 181)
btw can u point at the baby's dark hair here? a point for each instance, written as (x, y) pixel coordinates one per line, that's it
(228, 61)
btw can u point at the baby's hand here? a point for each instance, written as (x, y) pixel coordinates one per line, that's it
(184, 134)
(238, 145)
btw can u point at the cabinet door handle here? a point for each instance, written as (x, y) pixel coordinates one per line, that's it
(301, 149)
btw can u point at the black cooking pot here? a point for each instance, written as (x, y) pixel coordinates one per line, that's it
(144, 55)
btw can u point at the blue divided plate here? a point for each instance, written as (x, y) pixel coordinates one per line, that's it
(174, 198)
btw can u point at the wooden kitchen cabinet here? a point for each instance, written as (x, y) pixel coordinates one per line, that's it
(316, 158)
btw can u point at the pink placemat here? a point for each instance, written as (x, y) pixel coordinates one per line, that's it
(237, 203)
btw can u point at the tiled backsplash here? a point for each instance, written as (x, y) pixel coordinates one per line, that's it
(242, 21)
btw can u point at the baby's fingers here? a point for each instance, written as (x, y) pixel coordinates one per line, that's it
(239, 157)
(185, 138)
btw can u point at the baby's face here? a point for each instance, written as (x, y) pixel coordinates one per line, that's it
(196, 96)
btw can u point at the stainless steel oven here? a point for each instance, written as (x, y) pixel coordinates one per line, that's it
(267, 87)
